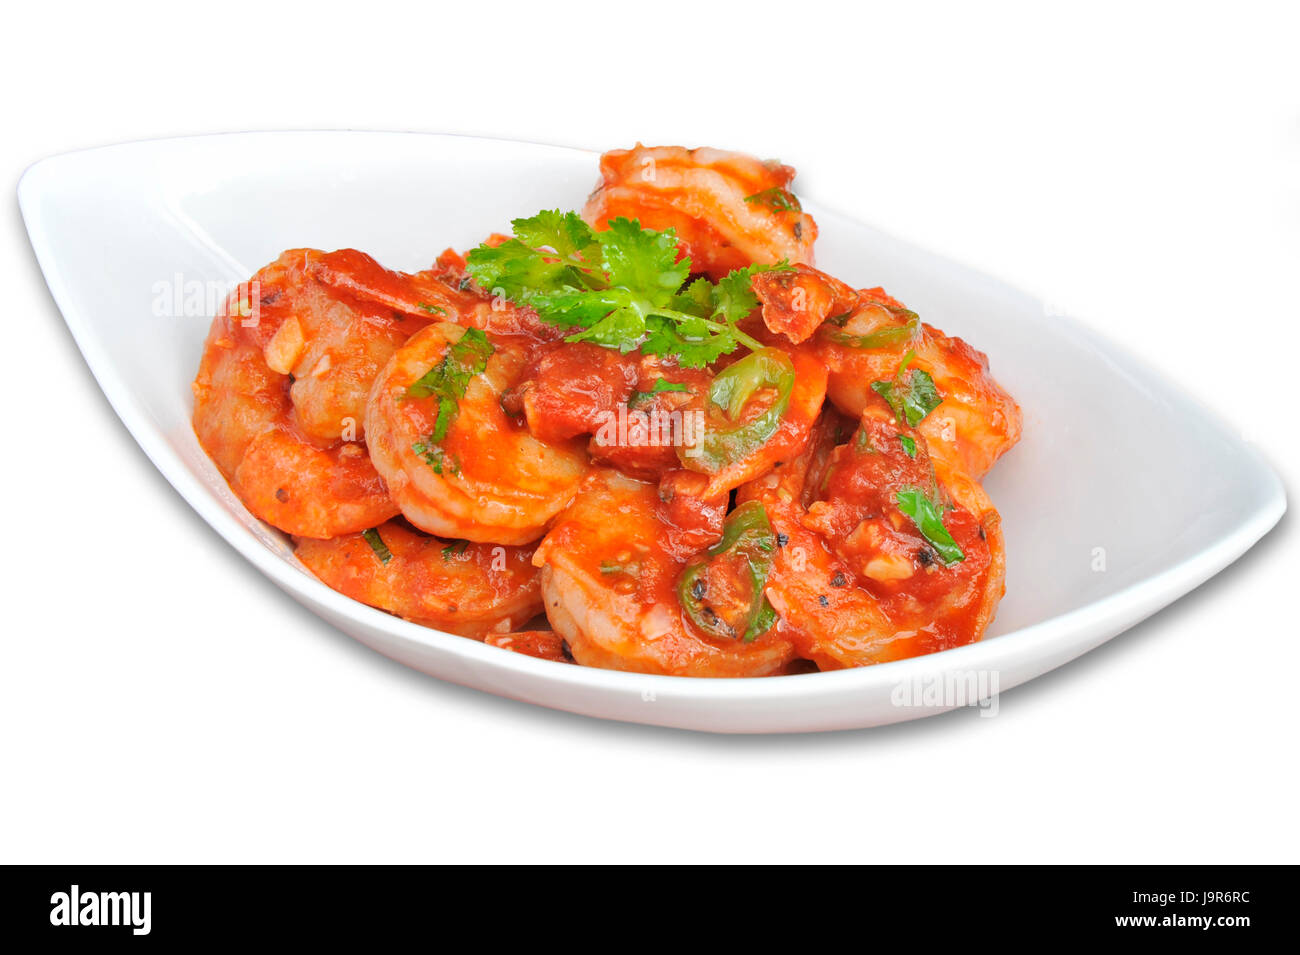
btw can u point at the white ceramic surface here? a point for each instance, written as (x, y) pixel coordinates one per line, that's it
(1115, 468)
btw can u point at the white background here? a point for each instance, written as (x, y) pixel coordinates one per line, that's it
(1133, 165)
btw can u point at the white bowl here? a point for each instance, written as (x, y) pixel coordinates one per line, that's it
(1123, 495)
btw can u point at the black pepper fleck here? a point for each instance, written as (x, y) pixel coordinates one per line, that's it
(281, 495)
(838, 580)
(822, 599)
(925, 557)
(698, 589)
(798, 230)
(782, 540)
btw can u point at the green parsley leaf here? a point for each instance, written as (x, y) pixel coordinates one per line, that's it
(909, 444)
(620, 288)
(431, 309)
(911, 394)
(448, 379)
(455, 549)
(777, 199)
(638, 398)
(927, 516)
(377, 545)
(435, 456)
(734, 297)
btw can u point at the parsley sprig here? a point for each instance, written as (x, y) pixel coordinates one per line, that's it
(623, 287)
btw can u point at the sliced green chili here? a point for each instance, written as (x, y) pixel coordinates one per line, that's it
(731, 391)
(887, 336)
(747, 534)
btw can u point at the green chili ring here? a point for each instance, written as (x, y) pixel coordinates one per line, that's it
(888, 337)
(731, 390)
(747, 531)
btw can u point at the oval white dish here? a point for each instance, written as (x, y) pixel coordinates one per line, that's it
(1123, 495)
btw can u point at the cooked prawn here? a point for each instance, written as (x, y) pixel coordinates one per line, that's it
(854, 581)
(863, 336)
(280, 395)
(487, 478)
(467, 589)
(729, 210)
(543, 644)
(609, 569)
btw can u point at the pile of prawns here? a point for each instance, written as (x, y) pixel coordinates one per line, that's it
(794, 554)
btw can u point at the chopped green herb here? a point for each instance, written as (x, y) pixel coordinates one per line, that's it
(448, 379)
(927, 516)
(431, 309)
(638, 398)
(909, 444)
(911, 394)
(863, 442)
(377, 545)
(620, 288)
(435, 456)
(777, 199)
(454, 549)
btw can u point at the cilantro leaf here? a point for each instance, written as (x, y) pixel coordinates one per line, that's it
(435, 456)
(734, 296)
(377, 545)
(565, 232)
(909, 444)
(621, 287)
(927, 516)
(643, 261)
(661, 384)
(911, 394)
(776, 199)
(448, 379)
